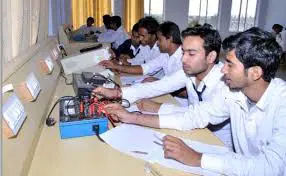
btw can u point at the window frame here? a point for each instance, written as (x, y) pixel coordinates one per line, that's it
(206, 14)
(239, 14)
(149, 9)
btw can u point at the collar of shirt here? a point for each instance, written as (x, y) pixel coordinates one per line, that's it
(120, 29)
(242, 99)
(135, 50)
(177, 53)
(155, 47)
(210, 79)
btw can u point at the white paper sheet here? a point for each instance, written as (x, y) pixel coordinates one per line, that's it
(127, 138)
(134, 108)
(82, 61)
(130, 80)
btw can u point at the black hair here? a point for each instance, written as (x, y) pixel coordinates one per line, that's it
(106, 19)
(135, 27)
(279, 27)
(207, 25)
(90, 19)
(211, 37)
(197, 25)
(116, 20)
(255, 47)
(149, 23)
(170, 29)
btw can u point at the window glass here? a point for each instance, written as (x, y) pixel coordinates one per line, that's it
(154, 8)
(203, 11)
(242, 15)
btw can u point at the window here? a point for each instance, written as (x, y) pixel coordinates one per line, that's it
(203, 11)
(242, 15)
(154, 8)
(112, 8)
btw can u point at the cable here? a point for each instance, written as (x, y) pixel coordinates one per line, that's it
(95, 129)
(66, 79)
(49, 120)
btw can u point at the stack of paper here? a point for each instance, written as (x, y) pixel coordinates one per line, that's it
(125, 139)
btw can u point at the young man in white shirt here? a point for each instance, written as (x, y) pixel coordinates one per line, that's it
(254, 103)
(169, 43)
(85, 30)
(130, 48)
(201, 75)
(106, 23)
(116, 36)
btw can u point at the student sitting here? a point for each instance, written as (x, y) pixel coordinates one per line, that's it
(254, 103)
(116, 36)
(169, 43)
(201, 75)
(85, 30)
(131, 47)
(106, 19)
(276, 30)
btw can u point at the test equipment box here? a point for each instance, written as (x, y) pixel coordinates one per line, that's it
(85, 82)
(78, 117)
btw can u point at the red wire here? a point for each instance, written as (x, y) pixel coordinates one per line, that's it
(101, 109)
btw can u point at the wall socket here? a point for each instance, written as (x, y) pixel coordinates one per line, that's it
(46, 65)
(13, 116)
(30, 89)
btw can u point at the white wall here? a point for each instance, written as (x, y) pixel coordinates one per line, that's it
(59, 13)
(276, 13)
(177, 12)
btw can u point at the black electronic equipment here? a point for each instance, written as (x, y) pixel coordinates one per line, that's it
(84, 83)
(90, 48)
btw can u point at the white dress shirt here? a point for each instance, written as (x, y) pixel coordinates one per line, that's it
(258, 130)
(146, 54)
(139, 54)
(176, 81)
(115, 37)
(84, 29)
(168, 64)
(102, 29)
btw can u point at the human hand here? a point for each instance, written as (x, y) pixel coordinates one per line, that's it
(123, 59)
(118, 113)
(112, 53)
(148, 105)
(175, 148)
(111, 64)
(150, 79)
(106, 92)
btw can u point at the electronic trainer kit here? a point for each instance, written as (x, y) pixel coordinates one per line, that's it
(83, 115)
(84, 83)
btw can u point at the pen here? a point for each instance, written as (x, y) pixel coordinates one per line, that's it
(158, 137)
(140, 152)
(158, 143)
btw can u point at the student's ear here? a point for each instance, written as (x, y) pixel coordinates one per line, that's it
(211, 57)
(154, 37)
(171, 39)
(255, 72)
